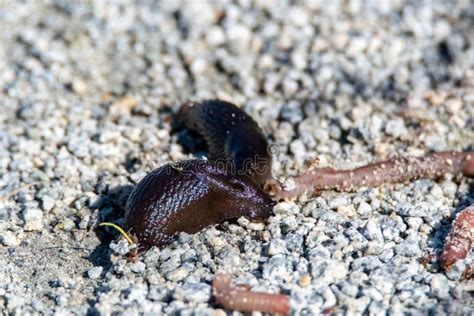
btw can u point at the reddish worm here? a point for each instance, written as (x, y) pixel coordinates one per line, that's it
(460, 239)
(372, 175)
(242, 300)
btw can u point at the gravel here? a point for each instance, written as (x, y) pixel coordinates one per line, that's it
(94, 272)
(88, 92)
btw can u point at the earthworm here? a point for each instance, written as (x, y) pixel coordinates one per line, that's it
(396, 170)
(247, 301)
(460, 239)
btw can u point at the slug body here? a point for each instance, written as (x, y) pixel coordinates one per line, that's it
(231, 136)
(188, 196)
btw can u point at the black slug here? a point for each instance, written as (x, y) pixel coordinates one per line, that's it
(231, 136)
(188, 196)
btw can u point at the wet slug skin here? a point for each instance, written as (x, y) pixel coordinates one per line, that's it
(231, 136)
(188, 196)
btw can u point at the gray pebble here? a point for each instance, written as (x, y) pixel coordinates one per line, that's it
(276, 246)
(439, 285)
(178, 274)
(409, 248)
(47, 203)
(94, 272)
(9, 239)
(138, 267)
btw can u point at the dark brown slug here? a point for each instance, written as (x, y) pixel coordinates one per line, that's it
(188, 196)
(231, 136)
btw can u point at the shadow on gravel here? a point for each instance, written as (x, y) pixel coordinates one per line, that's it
(191, 141)
(110, 207)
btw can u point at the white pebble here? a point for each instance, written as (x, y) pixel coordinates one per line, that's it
(94, 272)
(277, 246)
(48, 203)
(33, 219)
(9, 239)
(138, 267)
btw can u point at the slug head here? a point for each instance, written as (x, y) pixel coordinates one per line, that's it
(243, 197)
(249, 153)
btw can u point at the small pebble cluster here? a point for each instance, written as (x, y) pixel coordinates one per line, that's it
(88, 92)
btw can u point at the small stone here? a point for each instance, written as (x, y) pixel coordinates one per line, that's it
(214, 240)
(374, 248)
(84, 222)
(454, 105)
(440, 286)
(364, 209)
(330, 298)
(9, 239)
(123, 105)
(408, 248)
(285, 208)
(373, 293)
(68, 224)
(437, 192)
(386, 255)
(137, 176)
(290, 87)
(138, 267)
(215, 36)
(305, 280)
(414, 222)
(199, 66)
(94, 272)
(372, 230)
(416, 210)
(79, 86)
(255, 226)
(33, 219)
(337, 202)
(238, 37)
(457, 270)
(449, 188)
(193, 292)
(178, 274)
(47, 203)
(346, 210)
(335, 271)
(277, 246)
(122, 247)
(396, 128)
